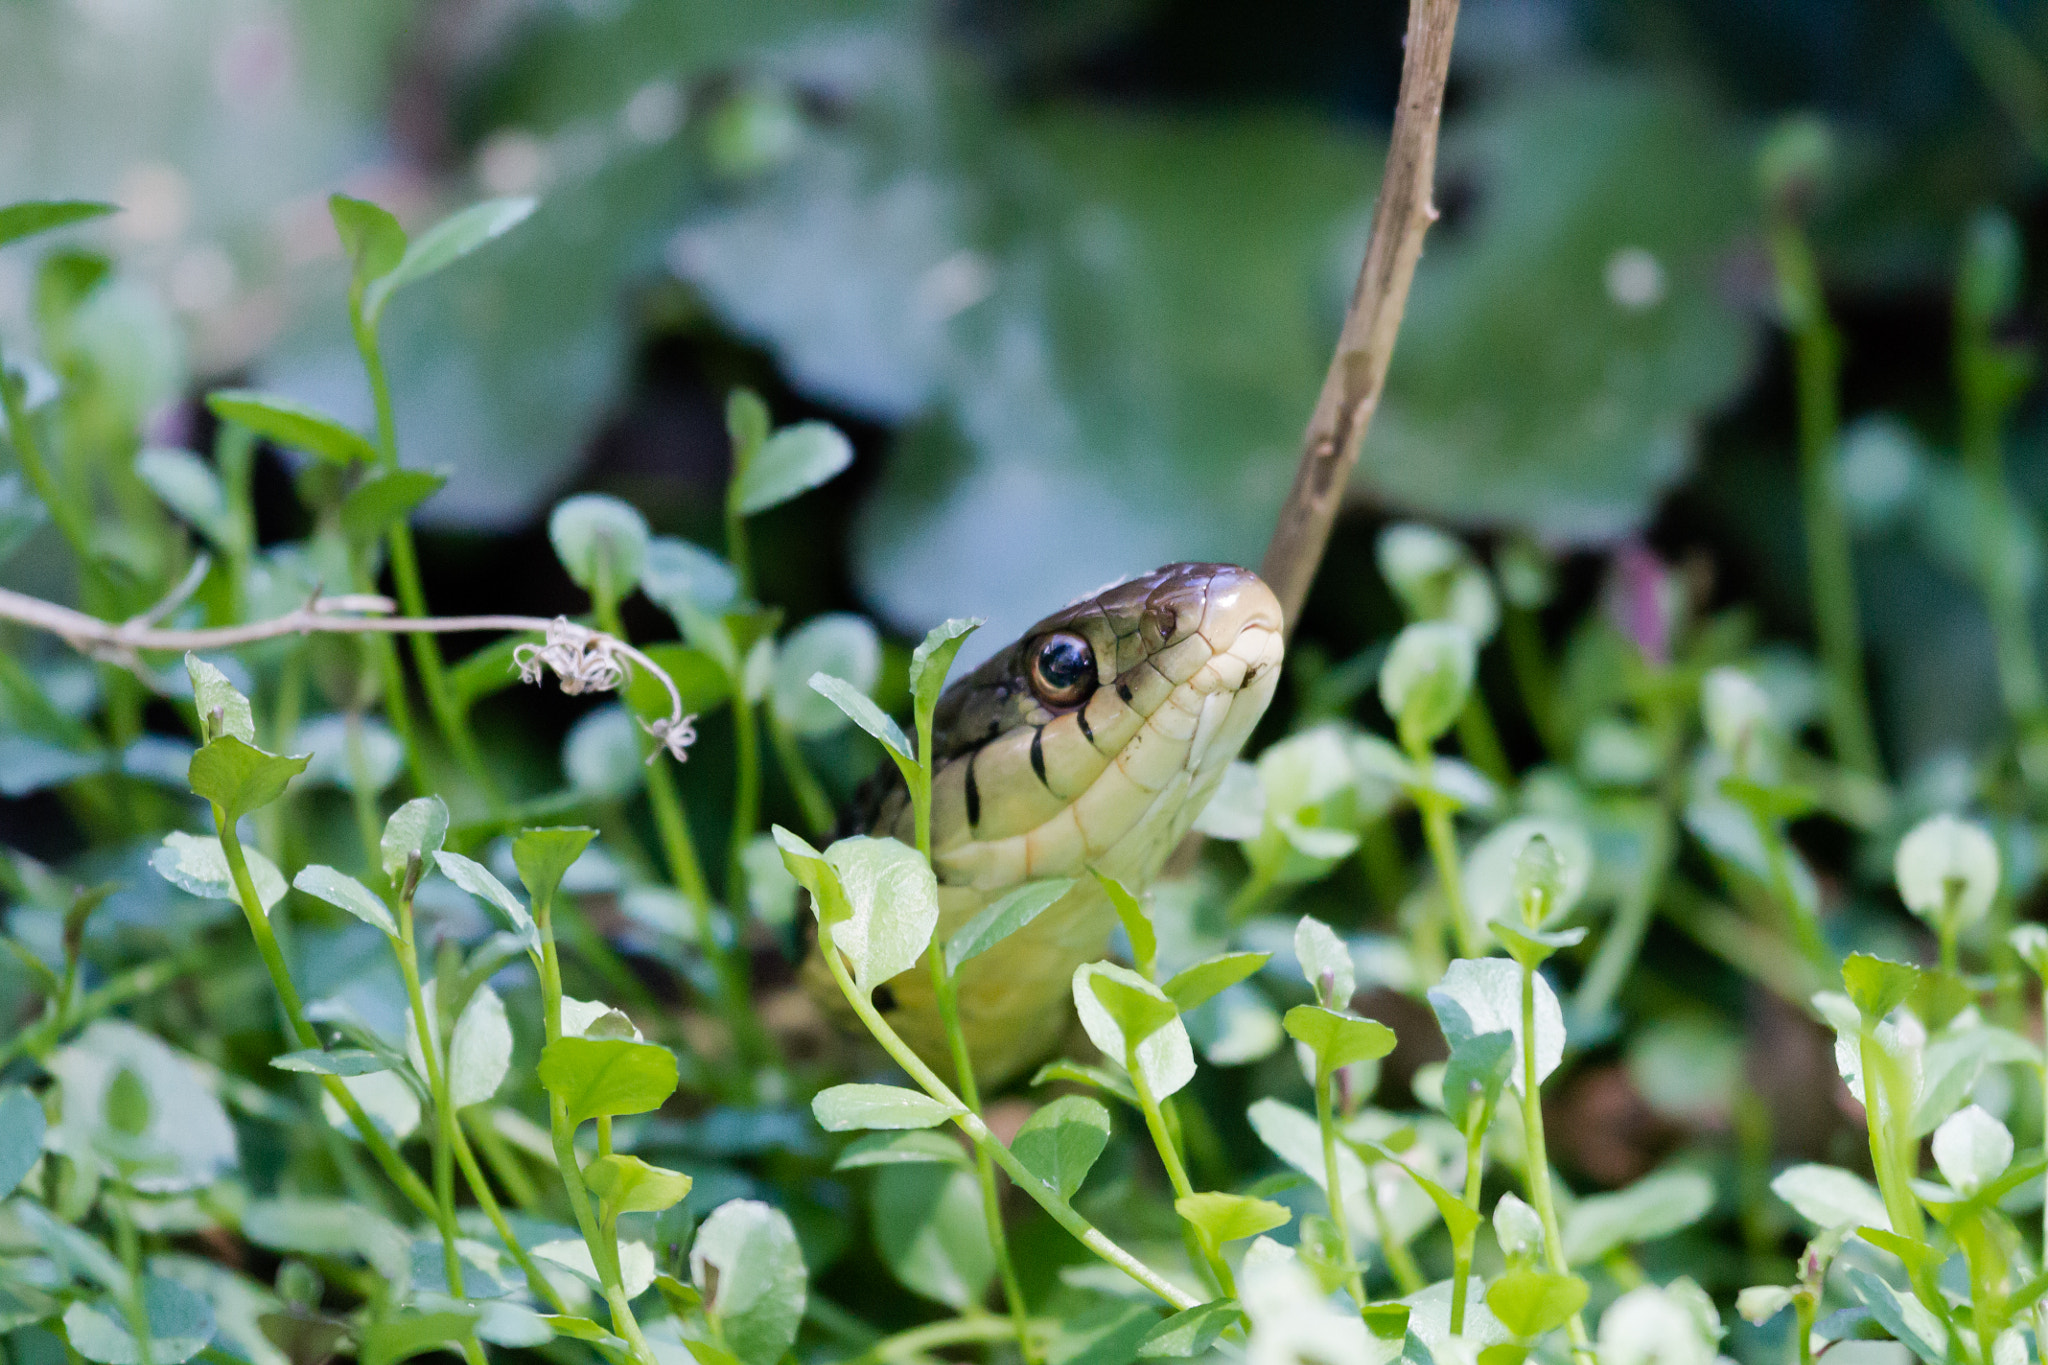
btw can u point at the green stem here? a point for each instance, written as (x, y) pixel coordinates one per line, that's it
(480, 1190)
(1623, 940)
(970, 1123)
(604, 1251)
(71, 519)
(1200, 1249)
(1529, 661)
(914, 1343)
(1805, 922)
(426, 1033)
(504, 1163)
(449, 716)
(946, 992)
(687, 871)
(1461, 1250)
(135, 1301)
(1442, 839)
(819, 817)
(746, 804)
(409, 1184)
(1534, 1147)
(1480, 740)
(1333, 1185)
(1817, 363)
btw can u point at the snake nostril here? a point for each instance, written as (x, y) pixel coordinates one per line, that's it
(1161, 621)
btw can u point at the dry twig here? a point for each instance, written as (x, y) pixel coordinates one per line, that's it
(1358, 371)
(585, 660)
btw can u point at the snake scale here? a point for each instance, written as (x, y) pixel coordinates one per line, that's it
(1091, 743)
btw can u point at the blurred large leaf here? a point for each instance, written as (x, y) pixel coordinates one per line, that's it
(1564, 341)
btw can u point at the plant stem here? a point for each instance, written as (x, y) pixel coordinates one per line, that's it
(971, 1124)
(1817, 364)
(687, 871)
(1480, 740)
(135, 1299)
(400, 1174)
(819, 817)
(1442, 839)
(1529, 660)
(449, 716)
(604, 1251)
(946, 992)
(480, 1190)
(1805, 922)
(426, 1033)
(1534, 1148)
(1333, 1184)
(1461, 1250)
(1200, 1249)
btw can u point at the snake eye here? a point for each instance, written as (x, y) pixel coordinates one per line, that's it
(1063, 669)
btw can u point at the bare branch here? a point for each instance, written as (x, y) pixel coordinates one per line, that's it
(585, 660)
(1358, 371)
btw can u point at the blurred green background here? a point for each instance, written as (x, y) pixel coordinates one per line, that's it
(1068, 272)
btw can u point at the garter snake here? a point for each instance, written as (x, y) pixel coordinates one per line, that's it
(1091, 743)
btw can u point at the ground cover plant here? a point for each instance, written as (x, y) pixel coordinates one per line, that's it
(1574, 972)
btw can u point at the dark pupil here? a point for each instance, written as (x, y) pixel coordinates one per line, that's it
(1064, 663)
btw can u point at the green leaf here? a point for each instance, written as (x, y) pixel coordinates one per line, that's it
(597, 535)
(1165, 1056)
(340, 1062)
(440, 246)
(1426, 679)
(385, 499)
(747, 423)
(893, 904)
(344, 892)
(1532, 1302)
(1002, 917)
(607, 1076)
(544, 857)
(239, 778)
(794, 460)
(1337, 1040)
(626, 1184)
(480, 1052)
(1484, 995)
(189, 487)
(906, 1148)
(848, 1108)
(414, 831)
(1196, 985)
(196, 865)
(32, 216)
(1221, 1217)
(865, 714)
(929, 1229)
(932, 660)
(22, 1126)
(292, 425)
(1877, 986)
(1061, 1141)
(815, 875)
(838, 644)
(1137, 924)
(370, 236)
(748, 1265)
(1658, 1205)
(181, 1323)
(1460, 1219)
(1067, 1071)
(405, 1335)
(1829, 1197)
(1904, 1316)
(1138, 1013)
(222, 709)
(1476, 1073)
(481, 882)
(1325, 963)
(1190, 1332)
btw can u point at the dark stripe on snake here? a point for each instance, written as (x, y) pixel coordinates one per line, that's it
(1038, 757)
(973, 792)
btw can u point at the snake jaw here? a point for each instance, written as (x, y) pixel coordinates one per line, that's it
(1187, 659)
